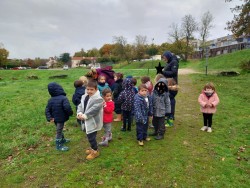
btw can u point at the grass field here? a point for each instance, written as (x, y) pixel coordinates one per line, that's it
(186, 157)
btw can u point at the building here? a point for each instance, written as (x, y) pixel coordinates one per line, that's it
(76, 61)
(51, 62)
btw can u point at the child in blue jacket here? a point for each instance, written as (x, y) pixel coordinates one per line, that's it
(58, 111)
(142, 110)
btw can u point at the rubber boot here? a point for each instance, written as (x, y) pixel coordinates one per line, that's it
(104, 142)
(118, 117)
(65, 140)
(60, 146)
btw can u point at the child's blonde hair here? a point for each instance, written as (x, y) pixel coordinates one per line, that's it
(158, 76)
(84, 79)
(209, 85)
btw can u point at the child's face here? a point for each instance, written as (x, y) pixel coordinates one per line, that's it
(91, 91)
(115, 78)
(102, 80)
(107, 97)
(209, 90)
(143, 92)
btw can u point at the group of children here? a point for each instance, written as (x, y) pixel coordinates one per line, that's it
(96, 101)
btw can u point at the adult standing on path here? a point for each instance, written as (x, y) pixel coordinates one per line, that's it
(171, 71)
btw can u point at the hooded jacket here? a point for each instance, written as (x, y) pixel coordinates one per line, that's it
(161, 102)
(76, 98)
(58, 106)
(142, 110)
(171, 68)
(93, 113)
(203, 100)
(126, 97)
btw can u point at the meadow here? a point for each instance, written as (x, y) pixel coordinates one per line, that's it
(187, 157)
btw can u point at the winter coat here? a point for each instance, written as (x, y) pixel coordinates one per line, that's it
(93, 114)
(161, 102)
(126, 97)
(203, 100)
(108, 110)
(117, 89)
(102, 86)
(141, 109)
(171, 68)
(58, 106)
(76, 98)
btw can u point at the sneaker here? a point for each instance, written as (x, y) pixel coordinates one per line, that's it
(140, 142)
(204, 128)
(159, 137)
(170, 122)
(93, 154)
(151, 126)
(209, 129)
(110, 137)
(148, 139)
(104, 142)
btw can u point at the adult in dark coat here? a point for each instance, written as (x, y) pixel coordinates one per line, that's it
(171, 71)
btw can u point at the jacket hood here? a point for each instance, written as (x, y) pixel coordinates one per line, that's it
(162, 80)
(127, 84)
(55, 89)
(168, 55)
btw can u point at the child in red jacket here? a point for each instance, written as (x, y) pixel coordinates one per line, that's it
(208, 100)
(108, 109)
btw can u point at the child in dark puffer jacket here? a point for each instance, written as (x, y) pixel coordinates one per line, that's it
(126, 98)
(58, 111)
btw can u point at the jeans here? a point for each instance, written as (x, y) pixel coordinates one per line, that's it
(92, 140)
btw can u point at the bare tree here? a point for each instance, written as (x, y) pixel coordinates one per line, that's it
(204, 28)
(140, 46)
(175, 34)
(189, 26)
(119, 48)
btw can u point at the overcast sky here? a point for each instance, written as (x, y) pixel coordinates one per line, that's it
(47, 28)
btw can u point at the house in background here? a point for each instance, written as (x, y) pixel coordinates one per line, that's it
(52, 61)
(156, 57)
(76, 61)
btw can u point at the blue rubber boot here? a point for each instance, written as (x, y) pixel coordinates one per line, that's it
(60, 146)
(65, 140)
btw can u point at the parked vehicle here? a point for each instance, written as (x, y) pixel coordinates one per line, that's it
(65, 67)
(42, 67)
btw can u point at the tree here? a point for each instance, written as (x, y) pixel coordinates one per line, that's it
(189, 26)
(65, 58)
(119, 46)
(204, 28)
(81, 53)
(140, 46)
(3, 55)
(94, 52)
(176, 37)
(106, 50)
(240, 25)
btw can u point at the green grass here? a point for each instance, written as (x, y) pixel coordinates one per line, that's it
(186, 157)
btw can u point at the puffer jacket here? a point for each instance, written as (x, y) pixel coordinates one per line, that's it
(171, 68)
(58, 106)
(126, 97)
(161, 102)
(141, 110)
(203, 100)
(76, 98)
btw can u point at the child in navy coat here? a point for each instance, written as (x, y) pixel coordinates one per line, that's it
(58, 111)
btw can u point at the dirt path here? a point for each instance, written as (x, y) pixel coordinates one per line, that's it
(186, 71)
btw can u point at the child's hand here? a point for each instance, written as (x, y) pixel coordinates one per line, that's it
(80, 116)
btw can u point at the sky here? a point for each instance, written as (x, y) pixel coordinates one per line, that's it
(48, 28)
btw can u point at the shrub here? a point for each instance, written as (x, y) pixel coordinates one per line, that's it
(245, 65)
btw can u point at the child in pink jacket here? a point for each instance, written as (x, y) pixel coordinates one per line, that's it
(208, 100)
